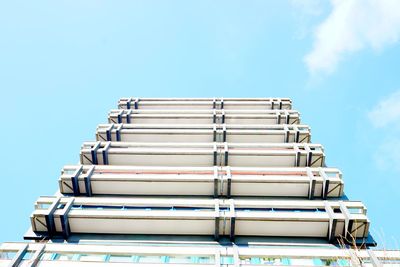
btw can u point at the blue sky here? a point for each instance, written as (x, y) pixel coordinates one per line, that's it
(64, 64)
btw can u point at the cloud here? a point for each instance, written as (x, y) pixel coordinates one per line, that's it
(306, 12)
(308, 7)
(386, 112)
(387, 155)
(385, 117)
(352, 26)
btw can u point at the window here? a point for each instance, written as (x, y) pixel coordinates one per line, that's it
(43, 206)
(150, 259)
(7, 255)
(63, 257)
(91, 257)
(120, 258)
(225, 260)
(356, 210)
(27, 255)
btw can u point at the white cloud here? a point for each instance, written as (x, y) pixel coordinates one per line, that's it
(387, 156)
(308, 7)
(386, 112)
(351, 26)
(385, 117)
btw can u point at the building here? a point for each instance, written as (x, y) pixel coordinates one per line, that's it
(199, 182)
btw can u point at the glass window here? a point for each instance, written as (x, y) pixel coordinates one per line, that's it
(271, 261)
(207, 260)
(120, 258)
(254, 260)
(180, 259)
(225, 260)
(91, 257)
(62, 257)
(27, 255)
(261, 260)
(47, 256)
(343, 262)
(306, 262)
(68, 171)
(395, 262)
(356, 210)
(43, 206)
(150, 259)
(7, 255)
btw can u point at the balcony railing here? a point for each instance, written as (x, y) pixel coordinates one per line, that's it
(203, 154)
(205, 103)
(201, 181)
(53, 254)
(182, 216)
(204, 133)
(187, 116)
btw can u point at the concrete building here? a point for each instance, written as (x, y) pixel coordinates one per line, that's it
(199, 182)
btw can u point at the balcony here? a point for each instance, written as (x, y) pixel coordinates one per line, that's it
(202, 154)
(205, 103)
(201, 181)
(56, 216)
(188, 116)
(53, 254)
(204, 133)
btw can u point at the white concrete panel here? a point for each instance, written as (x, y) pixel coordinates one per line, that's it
(162, 138)
(261, 160)
(152, 188)
(176, 120)
(142, 226)
(251, 120)
(281, 228)
(255, 138)
(270, 189)
(161, 160)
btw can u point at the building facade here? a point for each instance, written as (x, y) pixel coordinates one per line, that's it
(199, 182)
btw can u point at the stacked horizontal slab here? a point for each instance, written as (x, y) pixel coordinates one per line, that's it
(199, 181)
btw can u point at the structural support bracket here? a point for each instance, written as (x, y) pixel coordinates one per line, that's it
(128, 103)
(88, 185)
(332, 222)
(36, 257)
(226, 154)
(119, 116)
(233, 220)
(229, 185)
(49, 217)
(109, 132)
(374, 259)
(325, 183)
(18, 257)
(128, 116)
(93, 152)
(216, 178)
(287, 116)
(348, 223)
(313, 182)
(75, 181)
(217, 219)
(287, 133)
(297, 156)
(118, 132)
(64, 218)
(104, 152)
(278, 117)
